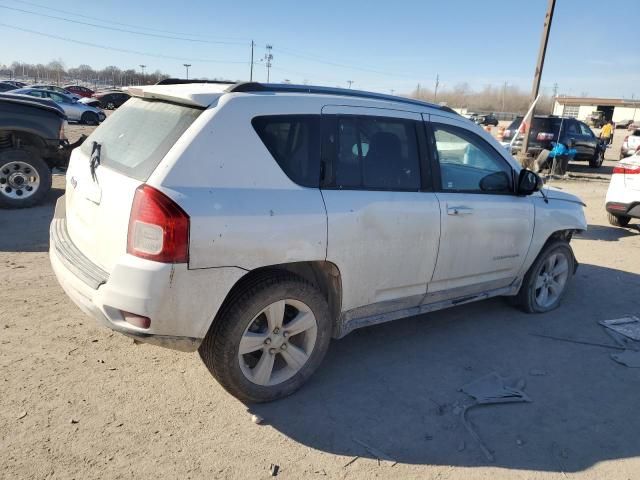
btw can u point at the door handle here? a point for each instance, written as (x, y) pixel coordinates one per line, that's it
(461, 210)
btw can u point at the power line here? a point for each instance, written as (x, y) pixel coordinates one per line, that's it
(140, 27)
(116, 49)
(312, 58)
(116, 29)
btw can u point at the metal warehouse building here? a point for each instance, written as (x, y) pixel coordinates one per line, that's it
(616, 109)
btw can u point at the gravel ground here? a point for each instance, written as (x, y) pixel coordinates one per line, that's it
(79, 401)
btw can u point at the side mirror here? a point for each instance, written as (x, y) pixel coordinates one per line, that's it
(529, 182)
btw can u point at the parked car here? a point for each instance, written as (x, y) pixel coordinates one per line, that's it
(630, 144)
(548, 129)
(255, 222)
(55, 88)
(79, 90)
(6, 86)
(15, 83)
(485, 120)
(32, 143)
(623, 197)
(75, 111)
(111, 100)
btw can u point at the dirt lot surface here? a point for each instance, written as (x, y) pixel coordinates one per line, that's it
(78, 401)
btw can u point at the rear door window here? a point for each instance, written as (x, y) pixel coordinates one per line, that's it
(377, 153)
(138, 135)
(294, 143)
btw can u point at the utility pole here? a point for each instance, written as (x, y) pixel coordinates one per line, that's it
(546, 29)
(187, 65)
(350, 82)
(253, 44)
(268, 57)
(435, 91)
(418, 92)
(142, 67)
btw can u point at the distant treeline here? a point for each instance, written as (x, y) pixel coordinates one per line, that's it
(504, 98)
(56, 72)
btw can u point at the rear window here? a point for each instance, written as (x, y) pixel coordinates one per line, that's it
(137, 136)
(550, 125)
(294, 142)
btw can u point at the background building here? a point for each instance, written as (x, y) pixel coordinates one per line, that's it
(616, 109)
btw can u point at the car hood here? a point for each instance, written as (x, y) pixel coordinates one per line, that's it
(556, 193)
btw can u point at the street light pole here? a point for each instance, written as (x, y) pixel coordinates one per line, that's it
(187, 65)
(546, 29)
(142, 67)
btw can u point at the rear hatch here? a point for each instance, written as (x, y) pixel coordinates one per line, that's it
(124, 151)
(543, 131)
(630, 168)
(633, 141)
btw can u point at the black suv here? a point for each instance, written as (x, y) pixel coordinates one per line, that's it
(489, 119)
(32, 143)
(549, 128)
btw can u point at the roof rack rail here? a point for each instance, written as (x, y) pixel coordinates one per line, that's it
(180, 81)
(248, 87)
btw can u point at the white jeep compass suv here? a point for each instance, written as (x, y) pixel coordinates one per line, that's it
(255, 222)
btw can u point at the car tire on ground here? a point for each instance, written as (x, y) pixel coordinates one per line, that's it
(619, 220)
(547, 279)
(268, 338)
(89, 118)
(596, 161)
(24, 178)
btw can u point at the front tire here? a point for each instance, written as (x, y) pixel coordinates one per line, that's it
(546, 281)
(619, 220)
(596, 161)
(269, 338)
(89, 118)
(24, 178)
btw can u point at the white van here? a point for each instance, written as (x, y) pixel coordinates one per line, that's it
(255, 222)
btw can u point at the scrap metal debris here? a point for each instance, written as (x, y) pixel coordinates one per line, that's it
(580, 342)
(629, 358)
(627, 326)
(489, 390)
(379, 454)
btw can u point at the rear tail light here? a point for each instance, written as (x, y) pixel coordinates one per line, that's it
(627, 169)
(158, 228)
(544, 137)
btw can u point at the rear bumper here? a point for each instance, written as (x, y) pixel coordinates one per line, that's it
(181, 303)
(624, 209)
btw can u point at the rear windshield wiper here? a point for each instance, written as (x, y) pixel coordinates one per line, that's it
(95, 159)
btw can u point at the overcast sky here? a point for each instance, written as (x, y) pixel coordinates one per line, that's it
(382, 46)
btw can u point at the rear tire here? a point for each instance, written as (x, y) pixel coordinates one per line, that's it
(249, 320)
(619, 220)
(89, 118)
(551, 273)
(25, 178)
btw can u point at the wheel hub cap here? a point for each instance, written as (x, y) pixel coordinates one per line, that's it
(278, 342)
(18, 180)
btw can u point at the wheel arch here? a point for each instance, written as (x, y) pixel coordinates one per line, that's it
(324, 275)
